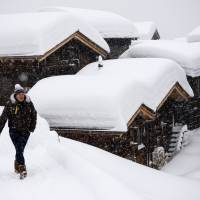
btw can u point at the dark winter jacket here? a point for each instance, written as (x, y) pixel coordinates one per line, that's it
(21, 116)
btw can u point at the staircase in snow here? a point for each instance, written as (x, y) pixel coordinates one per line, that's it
(176, 139)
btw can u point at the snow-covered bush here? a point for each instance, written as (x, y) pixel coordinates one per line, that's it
(158, 157)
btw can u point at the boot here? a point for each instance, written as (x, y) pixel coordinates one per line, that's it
(22, 171)
(16, 165)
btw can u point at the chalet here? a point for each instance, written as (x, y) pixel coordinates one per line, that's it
(115, 29)
(147, 30)
(38, 45)
(127, 107)
(187, 55)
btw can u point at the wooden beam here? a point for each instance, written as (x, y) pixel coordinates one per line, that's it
(176, 92)
(58, 46)
(91, 44)
(78, 35)
(143, 110)
(87, 131)
(82, 38)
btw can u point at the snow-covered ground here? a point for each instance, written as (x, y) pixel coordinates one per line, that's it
(187, 162)
(72, 170)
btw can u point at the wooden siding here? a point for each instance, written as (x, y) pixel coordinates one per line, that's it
(146, 130)
(156, 35)
(68, 59)
(118, 46)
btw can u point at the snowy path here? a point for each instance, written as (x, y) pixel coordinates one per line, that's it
(187, 162)
(75, 171)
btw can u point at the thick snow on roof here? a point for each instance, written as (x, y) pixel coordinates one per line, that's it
(26, 34)
(194, 36)
(146, 30)
(87, 172)
(109, 25)
(106, 98)
(184, 53)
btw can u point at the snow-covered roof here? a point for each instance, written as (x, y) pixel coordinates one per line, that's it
(194, 35)
(184, 53)
(28, 34)
(106, 98)
(181, 39)
(145, 29)
(109, 24)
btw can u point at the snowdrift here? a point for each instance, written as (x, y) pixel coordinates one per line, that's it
(77, 171)
(107, 23)
(184, 53)
(28, 34)
(194, 35)
(187, 163)
(106, 98)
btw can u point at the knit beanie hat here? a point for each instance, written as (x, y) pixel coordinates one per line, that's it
(19, 89)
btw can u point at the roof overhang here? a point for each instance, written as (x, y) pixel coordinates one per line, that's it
(143, 111)
(176, 92)
(77, 35)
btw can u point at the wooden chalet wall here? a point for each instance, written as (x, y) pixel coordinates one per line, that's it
(195, 85)
(68, 59)
(191, 111)
(156, 35)
(142, 137)
(118, 46)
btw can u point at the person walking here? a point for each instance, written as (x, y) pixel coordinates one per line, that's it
(21, 115)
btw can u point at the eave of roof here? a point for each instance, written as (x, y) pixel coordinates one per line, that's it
(176, 92)
(77, 35)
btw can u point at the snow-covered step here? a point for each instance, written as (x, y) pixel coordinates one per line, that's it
(177, 129)
(176, 139)
(175, 135)
(173, 144)
(171, 149)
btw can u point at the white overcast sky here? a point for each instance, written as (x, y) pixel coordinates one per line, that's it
(175, 18)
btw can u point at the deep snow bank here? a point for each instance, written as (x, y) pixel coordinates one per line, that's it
(187, 162)
(76, 171)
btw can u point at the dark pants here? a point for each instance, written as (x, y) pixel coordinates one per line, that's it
(19, 140)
